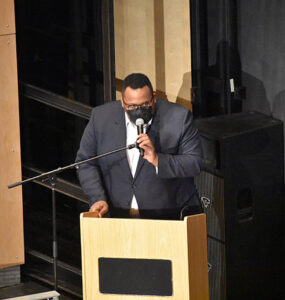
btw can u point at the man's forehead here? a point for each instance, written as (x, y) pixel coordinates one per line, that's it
(138, 93)
(143, 89)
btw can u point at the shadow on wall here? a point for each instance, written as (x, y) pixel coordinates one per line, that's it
(218, 99)
(278, 110)
(249, 92)
(255, 94)
(256, 98)
(184, 91)
(159, 40)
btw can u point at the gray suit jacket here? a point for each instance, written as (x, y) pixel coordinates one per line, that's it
(161, 195)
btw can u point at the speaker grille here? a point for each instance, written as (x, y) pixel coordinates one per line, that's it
(212, 187)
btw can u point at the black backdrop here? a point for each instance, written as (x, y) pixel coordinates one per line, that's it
(60, 63)
(243, 40)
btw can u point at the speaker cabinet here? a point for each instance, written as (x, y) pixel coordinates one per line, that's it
(243, 176)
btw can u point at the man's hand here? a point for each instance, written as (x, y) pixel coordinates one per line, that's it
(101, 207)
(149, 151)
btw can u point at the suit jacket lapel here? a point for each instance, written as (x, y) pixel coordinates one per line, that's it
(120, 139)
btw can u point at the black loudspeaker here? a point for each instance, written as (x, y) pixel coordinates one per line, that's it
(243, 176)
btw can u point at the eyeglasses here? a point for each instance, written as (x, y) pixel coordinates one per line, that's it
(134, 106)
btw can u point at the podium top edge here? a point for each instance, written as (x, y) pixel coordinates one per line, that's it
(94, 215)
(89, 214)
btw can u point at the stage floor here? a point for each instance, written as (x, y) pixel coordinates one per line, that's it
(27, 287)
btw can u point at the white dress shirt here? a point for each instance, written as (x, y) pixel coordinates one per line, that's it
(133, 154)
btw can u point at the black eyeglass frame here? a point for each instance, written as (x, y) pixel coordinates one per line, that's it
(135, 106)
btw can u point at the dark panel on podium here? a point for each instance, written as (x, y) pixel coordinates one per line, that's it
(126, 276)
(243, 175)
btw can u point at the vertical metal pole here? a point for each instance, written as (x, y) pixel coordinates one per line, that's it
(53, 184)
(230, 36)
(108, 50)
(199, 54)
(76, 62)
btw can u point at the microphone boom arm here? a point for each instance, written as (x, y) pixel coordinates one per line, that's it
(74, 165)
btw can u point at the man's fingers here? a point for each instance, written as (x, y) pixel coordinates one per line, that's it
(143, 137)
(103, 210)
(149, 151)
(146, 143)
(93, 208)
(101, 207)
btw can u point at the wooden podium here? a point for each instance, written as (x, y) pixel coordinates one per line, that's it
(144, 259)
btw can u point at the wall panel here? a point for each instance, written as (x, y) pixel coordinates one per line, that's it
(7, 23)
(153, 37)
(11, 211)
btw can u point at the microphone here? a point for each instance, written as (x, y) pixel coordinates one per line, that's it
(139, 124)
(131, 146)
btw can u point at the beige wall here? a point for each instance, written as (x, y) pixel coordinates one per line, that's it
(153, 37)
(11, 210)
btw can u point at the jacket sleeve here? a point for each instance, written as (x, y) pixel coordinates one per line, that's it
(186, 162)
(89, 174)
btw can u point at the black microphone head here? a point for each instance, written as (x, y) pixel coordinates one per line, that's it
(139, 122)
(131, 146)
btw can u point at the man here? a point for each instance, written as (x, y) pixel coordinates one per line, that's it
(157, 185)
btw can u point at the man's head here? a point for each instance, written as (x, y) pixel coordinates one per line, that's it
(138, 99)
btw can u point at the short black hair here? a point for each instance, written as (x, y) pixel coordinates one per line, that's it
(136, 81)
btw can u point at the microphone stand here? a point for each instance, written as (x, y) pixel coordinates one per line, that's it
(51, 177)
